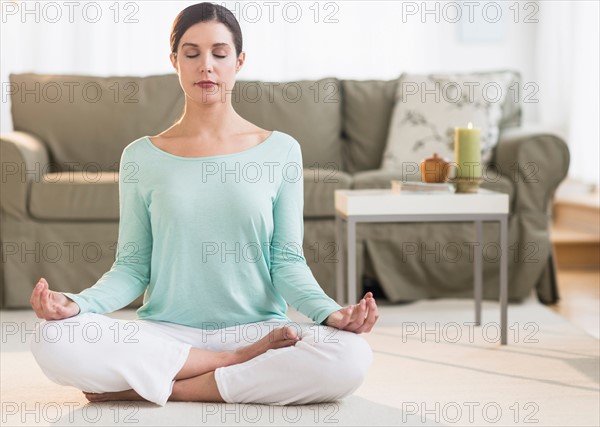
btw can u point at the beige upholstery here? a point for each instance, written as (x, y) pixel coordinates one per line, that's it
(59, 199)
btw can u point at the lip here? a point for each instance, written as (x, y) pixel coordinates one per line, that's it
(205, 83)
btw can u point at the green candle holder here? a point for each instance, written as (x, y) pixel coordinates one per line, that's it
(466, 184)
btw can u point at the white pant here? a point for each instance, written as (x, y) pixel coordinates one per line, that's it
(96, 353)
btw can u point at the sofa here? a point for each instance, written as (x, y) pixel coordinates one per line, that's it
(59, 204)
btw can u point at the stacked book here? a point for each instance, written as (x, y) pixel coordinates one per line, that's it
(421, 187)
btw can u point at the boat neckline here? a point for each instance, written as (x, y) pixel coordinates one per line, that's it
(248, 150)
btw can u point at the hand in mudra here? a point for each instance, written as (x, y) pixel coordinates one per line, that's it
(51, 305)
(356, 318)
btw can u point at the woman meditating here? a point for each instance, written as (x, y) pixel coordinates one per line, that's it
(210, 231)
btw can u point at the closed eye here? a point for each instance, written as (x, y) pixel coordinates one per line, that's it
(197, 55)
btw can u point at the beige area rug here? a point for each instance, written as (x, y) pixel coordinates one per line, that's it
(430, 367)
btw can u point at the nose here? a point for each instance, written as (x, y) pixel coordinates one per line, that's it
(205, 65)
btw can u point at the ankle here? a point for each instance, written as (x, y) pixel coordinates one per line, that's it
(231, 357)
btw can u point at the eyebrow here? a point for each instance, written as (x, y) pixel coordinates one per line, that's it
(214, 45)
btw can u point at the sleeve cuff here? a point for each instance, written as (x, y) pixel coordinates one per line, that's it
(83, 306)
(323, 317)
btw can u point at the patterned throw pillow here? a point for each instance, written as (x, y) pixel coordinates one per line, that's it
(429, 107)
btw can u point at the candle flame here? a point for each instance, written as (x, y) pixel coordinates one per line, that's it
(470, 125)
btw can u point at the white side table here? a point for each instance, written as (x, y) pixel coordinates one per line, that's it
(354, 206)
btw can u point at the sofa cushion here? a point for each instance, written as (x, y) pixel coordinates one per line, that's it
(367, 111)
(429, 107)
(75, 196)
(319, 187)
(87, 119)
(367, 108)
(308, 110)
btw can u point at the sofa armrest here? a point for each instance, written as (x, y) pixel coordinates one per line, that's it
(536, 162)
(24, 159)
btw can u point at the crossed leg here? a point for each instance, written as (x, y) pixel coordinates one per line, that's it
(195, 382)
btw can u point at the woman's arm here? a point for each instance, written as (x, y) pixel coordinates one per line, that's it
(290, 274)
(130, 273)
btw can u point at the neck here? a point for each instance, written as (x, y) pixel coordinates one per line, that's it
(208, 121)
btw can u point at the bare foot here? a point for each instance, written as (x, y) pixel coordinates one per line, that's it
(277, 338)
(113, 395)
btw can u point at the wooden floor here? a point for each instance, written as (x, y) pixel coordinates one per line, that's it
(579, 303)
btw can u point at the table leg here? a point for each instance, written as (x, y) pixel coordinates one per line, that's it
(339, 287)
(351, 242)
(503, 278)
(478, 271)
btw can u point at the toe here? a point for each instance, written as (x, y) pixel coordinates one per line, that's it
(289, 333)
(94, 397)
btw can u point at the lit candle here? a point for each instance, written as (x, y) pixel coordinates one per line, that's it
(467, 152)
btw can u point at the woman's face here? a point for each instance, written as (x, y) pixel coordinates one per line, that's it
(206, 52)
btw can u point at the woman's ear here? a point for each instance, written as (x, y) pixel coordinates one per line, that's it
(173, 57)
(240, 61)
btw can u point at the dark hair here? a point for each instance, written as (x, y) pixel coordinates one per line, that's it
(205, 12)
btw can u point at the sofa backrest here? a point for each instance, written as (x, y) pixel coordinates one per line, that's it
(87, 121)
(308, 110)
(367, 110)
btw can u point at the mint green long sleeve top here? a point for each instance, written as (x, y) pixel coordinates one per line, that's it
(212, 242)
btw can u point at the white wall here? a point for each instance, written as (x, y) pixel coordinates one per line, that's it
(370, 40)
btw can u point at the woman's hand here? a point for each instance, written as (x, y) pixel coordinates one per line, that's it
(357, 318)
(51, 305)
